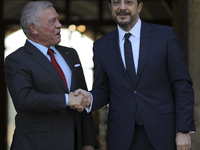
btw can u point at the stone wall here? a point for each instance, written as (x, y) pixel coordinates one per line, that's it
(194, 62)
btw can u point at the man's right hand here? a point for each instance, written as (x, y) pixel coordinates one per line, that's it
(78, 102)
(86, 94)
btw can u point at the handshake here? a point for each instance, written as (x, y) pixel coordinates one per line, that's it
(79, 100)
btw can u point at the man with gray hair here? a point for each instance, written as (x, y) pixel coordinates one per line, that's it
(41, 77)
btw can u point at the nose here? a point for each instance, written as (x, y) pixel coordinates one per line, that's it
(59, 25)
(122, 5)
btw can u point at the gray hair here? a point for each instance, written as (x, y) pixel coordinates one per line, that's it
(31, 14)
(139, 1)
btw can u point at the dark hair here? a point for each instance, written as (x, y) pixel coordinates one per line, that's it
(139, 1)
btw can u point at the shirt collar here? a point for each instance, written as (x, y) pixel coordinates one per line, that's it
(135, 31)
(42, 48)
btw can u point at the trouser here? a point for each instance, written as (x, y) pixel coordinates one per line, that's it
(140, 140)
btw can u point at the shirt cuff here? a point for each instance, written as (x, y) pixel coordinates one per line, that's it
(190, 132)
(88, 109)
(66, 99)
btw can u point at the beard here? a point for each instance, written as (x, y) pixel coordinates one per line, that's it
(126, 25)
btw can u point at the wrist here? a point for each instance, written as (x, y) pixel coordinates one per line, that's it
(184, 132)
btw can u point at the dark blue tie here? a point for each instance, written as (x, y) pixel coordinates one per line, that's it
(130, 68)
(129, 58)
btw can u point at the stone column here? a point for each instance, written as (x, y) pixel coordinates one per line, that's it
(194, 62)
(3, 93)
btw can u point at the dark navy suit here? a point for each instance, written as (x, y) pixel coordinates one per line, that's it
(43, 122)
(162, 90)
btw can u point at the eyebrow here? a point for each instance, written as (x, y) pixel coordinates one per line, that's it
(124, 0)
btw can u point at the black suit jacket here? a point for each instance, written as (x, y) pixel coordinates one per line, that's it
(162, 91)
(43, 122)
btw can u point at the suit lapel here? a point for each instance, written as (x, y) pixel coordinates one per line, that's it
(68, 58)
(116, 55)
(146, 39)
(66, 55)
(40, 58)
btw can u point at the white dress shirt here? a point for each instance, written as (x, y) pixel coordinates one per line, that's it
(135, 42)
(61, 61)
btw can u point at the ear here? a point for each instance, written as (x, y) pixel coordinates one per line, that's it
(140, 5)
(33, 28)
(110, 6)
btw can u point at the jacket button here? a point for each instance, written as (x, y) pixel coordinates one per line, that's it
(71, 123)
(135, 92)
(132, 113)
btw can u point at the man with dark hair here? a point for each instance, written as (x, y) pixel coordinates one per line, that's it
(40, 76)
(141, 72)
(138, 1)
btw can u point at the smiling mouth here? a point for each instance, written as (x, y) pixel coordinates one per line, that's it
(123, 16)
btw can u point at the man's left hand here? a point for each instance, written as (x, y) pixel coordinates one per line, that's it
(88, 147)
(183, 141)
